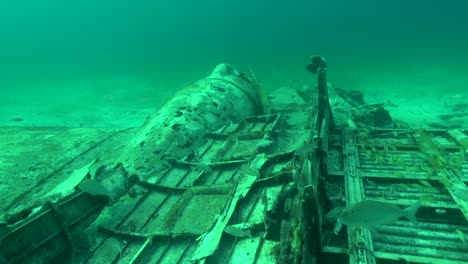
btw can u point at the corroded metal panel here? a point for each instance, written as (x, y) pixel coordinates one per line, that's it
(403, 167)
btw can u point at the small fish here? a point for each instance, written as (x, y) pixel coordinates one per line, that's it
(94, 188)
(333, 214)
(402, 186)
(371, 183)
(112, 246)
(426, 183)
(17, 119)
(428, 198)
(351, 124)
(440, 211)
(205, 167)
(390, 104)
(428, 187)
(263, 143)
(287, 205)
(306, 173)
(304, 151)
(298, 180)
(393, 148)
(238, 231)
(370, 213)
(461, 194)
(460, 235)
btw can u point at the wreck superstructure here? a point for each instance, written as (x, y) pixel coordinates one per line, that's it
(211, 177)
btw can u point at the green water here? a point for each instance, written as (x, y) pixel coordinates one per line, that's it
(88, 62)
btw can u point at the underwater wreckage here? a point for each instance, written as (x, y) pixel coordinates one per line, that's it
(223, 174)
